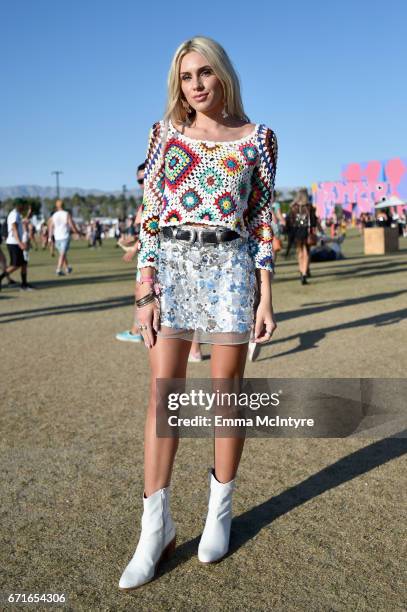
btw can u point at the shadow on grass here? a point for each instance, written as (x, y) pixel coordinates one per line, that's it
(246, 526)
(338, 274)
(84, 280)
(50, 311)
(309, 340)
(322, 307)
(348, 261)
(308, 309)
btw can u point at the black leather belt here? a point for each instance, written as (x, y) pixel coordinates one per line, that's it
(201, 234)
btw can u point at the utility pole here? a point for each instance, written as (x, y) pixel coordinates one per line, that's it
(124, 190)
(57, 173)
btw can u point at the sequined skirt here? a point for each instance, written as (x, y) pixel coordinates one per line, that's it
(208, 291)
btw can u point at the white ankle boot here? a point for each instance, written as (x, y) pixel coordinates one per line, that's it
(157, 541)
(214, 542)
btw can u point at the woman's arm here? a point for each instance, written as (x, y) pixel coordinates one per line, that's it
(152, 203)
(261, 232)
(72, 224)
(147, 260)
(260, 199)
(14, 229)
(265, 321)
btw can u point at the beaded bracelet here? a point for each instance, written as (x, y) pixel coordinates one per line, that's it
(148, 279)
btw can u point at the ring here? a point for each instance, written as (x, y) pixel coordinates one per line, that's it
(142, 326)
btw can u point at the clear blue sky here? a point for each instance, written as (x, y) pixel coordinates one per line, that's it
(83, 80)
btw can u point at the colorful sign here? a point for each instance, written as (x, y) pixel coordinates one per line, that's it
(362, 186)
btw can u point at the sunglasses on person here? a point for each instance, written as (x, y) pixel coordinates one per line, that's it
(140, 181)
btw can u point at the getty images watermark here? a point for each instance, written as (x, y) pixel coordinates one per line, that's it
(232, 400)
(258, 407)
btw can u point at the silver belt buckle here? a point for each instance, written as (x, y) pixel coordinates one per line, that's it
(200, 231)
(219, 231)
(193, 235)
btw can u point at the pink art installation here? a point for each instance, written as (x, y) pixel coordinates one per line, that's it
(362, 186)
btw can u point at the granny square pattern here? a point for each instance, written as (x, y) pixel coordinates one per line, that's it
(180, 160)
(219, 184)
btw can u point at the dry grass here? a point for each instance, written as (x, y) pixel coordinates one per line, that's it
(319, 524)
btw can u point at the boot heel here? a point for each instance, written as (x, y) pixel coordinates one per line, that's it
(169, 550)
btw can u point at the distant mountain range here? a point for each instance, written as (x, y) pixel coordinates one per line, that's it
(37, 191)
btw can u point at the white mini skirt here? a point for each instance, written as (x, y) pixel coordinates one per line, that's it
(209, 292)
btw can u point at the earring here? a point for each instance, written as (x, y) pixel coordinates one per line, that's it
(225, 112)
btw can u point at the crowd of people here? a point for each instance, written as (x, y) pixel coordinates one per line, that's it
(21, 234)
(384, 217)
(298, 228)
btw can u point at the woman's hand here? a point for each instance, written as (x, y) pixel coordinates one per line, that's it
(130, 254)
(147, 317)
(265, 322)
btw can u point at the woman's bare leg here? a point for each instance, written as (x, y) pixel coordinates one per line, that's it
(299, 255)
(228, 362)
(302, 256)
(168, 359)
(306, 258)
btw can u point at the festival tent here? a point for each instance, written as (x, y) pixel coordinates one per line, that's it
(392, 201)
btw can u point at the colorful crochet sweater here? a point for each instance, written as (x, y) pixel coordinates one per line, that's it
(228, 184)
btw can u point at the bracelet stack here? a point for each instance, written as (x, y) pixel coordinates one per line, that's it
(146, 299)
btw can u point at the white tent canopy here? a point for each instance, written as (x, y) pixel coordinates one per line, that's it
(393, 201)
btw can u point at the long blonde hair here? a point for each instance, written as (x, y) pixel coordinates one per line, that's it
(224, 70)
(302, 197)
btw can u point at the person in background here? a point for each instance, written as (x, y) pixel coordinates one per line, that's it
(26, 237)
(132, 335)
(383, 218)
(89, 234)
(51, 239)
(44, 235)
(302, 223)
(16, 246)
(61, 226)
(98, 233)
(3, 261)
(404, 222)
(129, 241)
(32, 233)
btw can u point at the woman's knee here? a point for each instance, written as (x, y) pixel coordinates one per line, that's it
(228, 362)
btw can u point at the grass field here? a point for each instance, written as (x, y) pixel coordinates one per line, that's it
(319, 523)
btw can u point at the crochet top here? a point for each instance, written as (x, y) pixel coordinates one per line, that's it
(228, 184)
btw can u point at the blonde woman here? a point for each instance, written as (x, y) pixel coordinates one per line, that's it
(206, 244)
